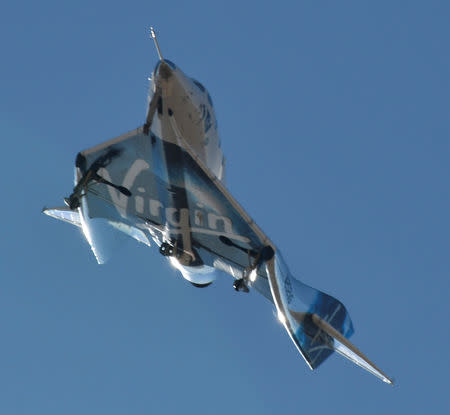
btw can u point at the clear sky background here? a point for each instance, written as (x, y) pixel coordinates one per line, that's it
(334, 118)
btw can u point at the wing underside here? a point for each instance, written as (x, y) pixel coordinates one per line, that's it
(149, 188)
(172, 192)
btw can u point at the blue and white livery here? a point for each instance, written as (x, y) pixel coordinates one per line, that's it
(163, 183)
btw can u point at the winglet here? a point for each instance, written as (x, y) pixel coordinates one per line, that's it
(153, 36)
(65, 214)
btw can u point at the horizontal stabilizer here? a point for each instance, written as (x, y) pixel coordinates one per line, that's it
(64, 214)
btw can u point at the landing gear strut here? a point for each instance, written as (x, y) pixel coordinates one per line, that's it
(74, 200)
(250, 273)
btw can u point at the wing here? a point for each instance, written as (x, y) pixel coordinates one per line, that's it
(164, 190)
(171, 196)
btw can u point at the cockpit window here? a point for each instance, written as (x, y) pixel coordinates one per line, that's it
(200, 86)
(170, 63)
(210, 101)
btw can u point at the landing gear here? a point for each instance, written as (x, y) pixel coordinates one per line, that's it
(240, 285)
(91, 175)
(250, 273)
(73, 201)
(166, 249)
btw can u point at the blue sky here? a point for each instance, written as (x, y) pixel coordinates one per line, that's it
(334, 118)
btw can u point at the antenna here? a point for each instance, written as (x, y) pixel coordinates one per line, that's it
(153, 36)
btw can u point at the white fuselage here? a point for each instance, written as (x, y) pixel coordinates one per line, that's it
(185, 115)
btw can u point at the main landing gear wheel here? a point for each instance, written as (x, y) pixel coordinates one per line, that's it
(240, 285)
(166, 249)
(73, 201)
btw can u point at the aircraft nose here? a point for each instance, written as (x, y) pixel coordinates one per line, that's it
(164, 69)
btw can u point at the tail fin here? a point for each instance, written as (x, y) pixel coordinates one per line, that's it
(65, 214)
(100, 232)
(317, 323)
(308, 306)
